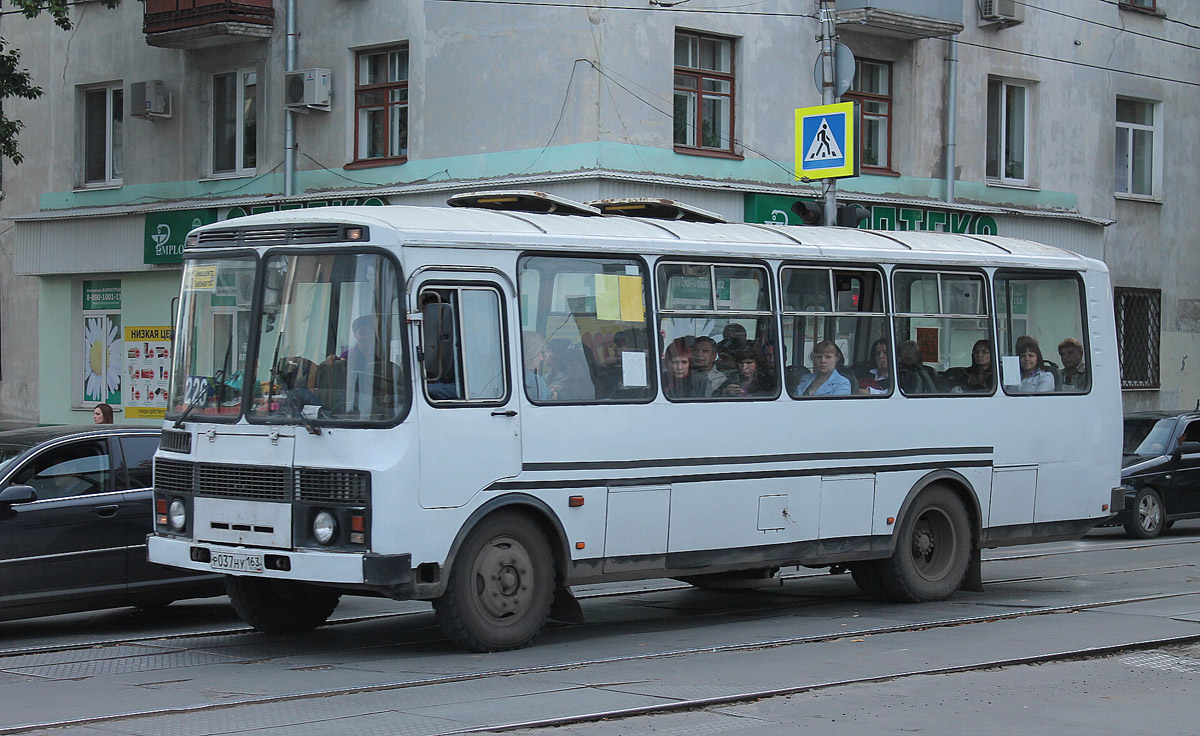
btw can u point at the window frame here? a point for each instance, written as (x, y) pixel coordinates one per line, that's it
(999, 351)
(460, 371)
(699, 75)
(989, 315)
(832, 270)
(1156, 162)
(385, 88)
(245, 131)
(888, 100)
(114, 145)
(662, 313)
(1153, 341)
(1001, 125)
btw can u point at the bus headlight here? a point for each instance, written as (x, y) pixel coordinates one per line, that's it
(177, 515)
(324, 527)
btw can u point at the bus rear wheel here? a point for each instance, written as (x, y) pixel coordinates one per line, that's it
(280, 606)
(500, 587)
(933, 550)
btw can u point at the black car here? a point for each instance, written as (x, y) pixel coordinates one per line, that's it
(75, 509)
(1160, 471)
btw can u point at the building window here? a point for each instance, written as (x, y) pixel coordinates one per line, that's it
(1139, 328)
(381, 105)
(103, 121)
(1142, 4)
(1135, 170)
(872, 90)
(101, 373)
(235, 122)
(1007, 122)
(704, 87)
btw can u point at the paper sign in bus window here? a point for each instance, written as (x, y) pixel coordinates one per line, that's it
(633, 369)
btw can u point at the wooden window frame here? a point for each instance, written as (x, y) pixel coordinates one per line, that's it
(385, 88)
(699, 75)
(888, 99)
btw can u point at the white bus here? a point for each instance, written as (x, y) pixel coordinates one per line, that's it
(483, 407)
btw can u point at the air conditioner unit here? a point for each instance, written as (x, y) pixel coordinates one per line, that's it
(308, 89)
(149, 99)
(1004, 12)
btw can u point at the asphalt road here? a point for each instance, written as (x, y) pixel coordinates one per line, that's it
(1096, 636)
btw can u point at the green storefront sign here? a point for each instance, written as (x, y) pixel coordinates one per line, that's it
(775, 209)
(165, 232)
(104, 294)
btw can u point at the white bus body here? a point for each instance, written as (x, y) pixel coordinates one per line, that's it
(474, 484)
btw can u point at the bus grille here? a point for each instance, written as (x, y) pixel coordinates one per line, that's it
(173, 476)
(243, 481)
(332, 486)
(175, 441)
(317, 233)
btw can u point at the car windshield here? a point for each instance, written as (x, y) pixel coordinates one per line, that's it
(1147, 435)
(214, 329)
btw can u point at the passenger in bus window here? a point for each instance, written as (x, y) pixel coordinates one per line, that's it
(1075, 375)
(825, 380)
(733, 341)
(877, 380)
(1033, 378)
(704, 363)
(753, 377)
(565, 372)
(914, 376)
(678, 380)
(979, 375)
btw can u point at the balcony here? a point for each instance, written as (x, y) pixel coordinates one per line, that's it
(908, 19)
(197, 24)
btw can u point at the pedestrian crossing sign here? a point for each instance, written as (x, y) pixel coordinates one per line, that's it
(825, 144)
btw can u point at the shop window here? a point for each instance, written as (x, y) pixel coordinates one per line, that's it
(103, 135)
(872, 90)
(704, 92)
(101, 371)
(235, 123)
(1007, 132)
(381, 105)
(1139, 334)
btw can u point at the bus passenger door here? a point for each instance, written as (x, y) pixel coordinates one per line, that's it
(467, 408)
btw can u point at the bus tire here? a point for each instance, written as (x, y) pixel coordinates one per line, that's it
(501, 586)
(933, 549)
(1147, 518)
(280, 606)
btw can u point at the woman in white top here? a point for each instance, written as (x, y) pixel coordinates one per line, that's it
(1033, 378)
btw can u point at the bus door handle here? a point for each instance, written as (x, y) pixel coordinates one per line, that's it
(507, 413)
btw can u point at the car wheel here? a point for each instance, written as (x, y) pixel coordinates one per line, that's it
(500, 587)
(1147, 517)
(933, 550)
(280, 606)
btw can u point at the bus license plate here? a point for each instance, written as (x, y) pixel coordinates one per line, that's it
(236, 562)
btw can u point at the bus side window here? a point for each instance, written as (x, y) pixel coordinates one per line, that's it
(1043, 346)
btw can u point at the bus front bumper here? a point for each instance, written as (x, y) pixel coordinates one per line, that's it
(327, 568)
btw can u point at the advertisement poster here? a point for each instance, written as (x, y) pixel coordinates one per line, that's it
(101, 374)
(147, 371)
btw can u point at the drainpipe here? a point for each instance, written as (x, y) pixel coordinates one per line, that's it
(951, 113)
(289, 130)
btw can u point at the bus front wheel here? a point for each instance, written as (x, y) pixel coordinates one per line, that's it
(932, 552)
(500, 587)
(280, 606)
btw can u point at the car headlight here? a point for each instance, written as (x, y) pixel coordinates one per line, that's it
(177, 515)
(324, 527)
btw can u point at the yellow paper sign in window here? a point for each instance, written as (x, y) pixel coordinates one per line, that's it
(608, 297)
(632, 308)
(204, 278)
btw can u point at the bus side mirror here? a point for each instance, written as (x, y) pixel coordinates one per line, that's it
(437, 338)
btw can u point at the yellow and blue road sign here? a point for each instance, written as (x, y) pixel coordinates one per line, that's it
(825, 143)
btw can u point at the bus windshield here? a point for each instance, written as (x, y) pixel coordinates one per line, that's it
(212, 337)
(330, 346)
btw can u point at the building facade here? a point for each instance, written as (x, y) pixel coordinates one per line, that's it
(1069, 125)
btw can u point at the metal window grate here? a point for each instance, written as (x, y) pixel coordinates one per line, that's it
(1139, 331)
(332, 486)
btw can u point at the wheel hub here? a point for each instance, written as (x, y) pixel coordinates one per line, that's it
(923, 543)
(501, 578)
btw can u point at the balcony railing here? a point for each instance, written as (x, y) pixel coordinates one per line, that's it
(200, 23)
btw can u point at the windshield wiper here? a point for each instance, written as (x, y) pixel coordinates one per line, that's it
(290, 397)
(219, 376)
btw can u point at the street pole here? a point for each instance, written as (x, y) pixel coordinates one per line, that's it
(828, 92)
